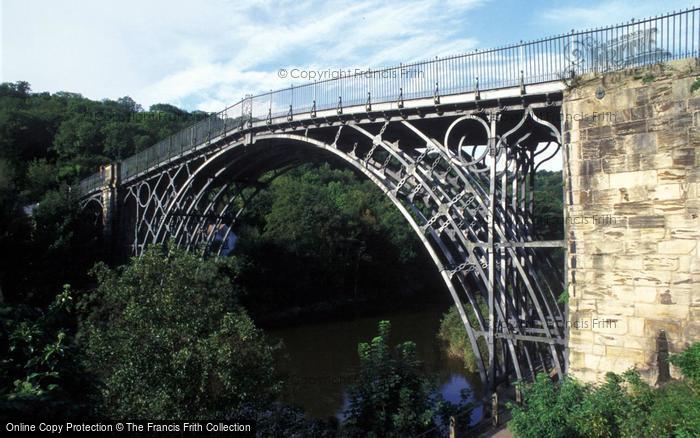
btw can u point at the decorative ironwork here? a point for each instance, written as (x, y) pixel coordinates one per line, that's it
(463, 183)
(453, 193)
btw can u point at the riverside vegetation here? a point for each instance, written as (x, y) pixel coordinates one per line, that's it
(623, 406)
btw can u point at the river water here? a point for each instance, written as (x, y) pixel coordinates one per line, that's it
(320, 359)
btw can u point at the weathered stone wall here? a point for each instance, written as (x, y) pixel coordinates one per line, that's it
(633, 192)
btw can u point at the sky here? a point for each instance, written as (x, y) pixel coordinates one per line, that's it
(207, 55)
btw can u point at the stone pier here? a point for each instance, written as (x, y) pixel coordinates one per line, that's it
(633, 217)
(110, 177)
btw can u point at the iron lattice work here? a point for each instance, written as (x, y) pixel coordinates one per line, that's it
(463, 179)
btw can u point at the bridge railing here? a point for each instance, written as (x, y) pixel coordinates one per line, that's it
(183, 141)
(637, 43)
(91, 184)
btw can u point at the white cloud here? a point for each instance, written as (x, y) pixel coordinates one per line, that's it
(198, 55)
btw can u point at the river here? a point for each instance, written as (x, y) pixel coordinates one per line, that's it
(320, 359)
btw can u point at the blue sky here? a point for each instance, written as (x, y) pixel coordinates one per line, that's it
(206, 55)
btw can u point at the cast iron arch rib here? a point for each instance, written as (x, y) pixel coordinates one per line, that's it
(469, 204)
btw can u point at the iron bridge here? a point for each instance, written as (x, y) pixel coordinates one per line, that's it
(456, 149)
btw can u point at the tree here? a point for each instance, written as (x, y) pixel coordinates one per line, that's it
(41, 177)
(549, 206)
(76, 134)
(337, 235)
(65, 243)
(392, 396)
(17, 89)
(169, 340)
(129, 104)
(15, 231)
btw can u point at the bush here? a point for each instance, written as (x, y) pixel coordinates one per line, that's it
(169, 340)
(40, 372)
(689, 363)
(392, 396)
(454, 334)
(623, 406)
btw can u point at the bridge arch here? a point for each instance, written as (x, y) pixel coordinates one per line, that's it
(216, 165)
(92, 210)
(452, 195)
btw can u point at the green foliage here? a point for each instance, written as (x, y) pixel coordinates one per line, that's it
(392, 396)
(169, 340)
(336, 234)
(40, 372)
(547, 409)
(689, 363)
(64, 243)
(15, 233)
(624, 405)
(695, 86)
(648, 78)
(47, 141)
(454, 334)
(7, 179)
(549, 206)
(549, 220)
(41, 177)
(55, 246)
(76, 134)
(675, 412)
(613, 408)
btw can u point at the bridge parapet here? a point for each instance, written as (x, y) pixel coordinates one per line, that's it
(633, 217)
